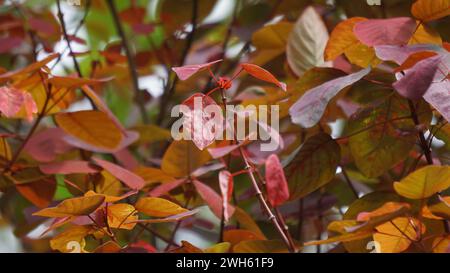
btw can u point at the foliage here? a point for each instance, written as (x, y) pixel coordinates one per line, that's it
(87, 155)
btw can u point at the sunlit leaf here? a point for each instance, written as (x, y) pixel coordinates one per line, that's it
(158, 207)
(119, 216)
(92, 127)
(397, 235)
(429, 10)
(73, 207)
(424, 182)
(307, 42)
(71, 240)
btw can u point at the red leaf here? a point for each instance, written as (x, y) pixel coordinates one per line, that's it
(68, 167)
(11, 100)
(276, 184)
(8, 43)
(166, 187)
(395, 31)
(185, 72)
(226, 189)
(44, 146)
(133, 15)
(218, 152)
(42, 26)
(29, 105)
(142, 245)
(196, 117)
(132, 180)
(143, 29)
(419, 78)
(39, 193)
(438, 96)
(212, 199)
(262, 74)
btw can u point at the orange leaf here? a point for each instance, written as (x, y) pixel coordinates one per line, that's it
(77, 206)
(342, 38)
(92, 127)
(414, 58)
(262, 74)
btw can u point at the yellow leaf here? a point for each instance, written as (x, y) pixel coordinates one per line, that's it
(108, 198)
(342, 38)
(235, 236)
(183, 157)
(218, 248)
(397, 235)
(424, 182)
(260, 246)
(150, 134)
(441, 244)
(425, 35)
(440, 207)
(71, 240)
(362, 55)
(429, 10)
(270, 41)
(387, 208)
(5, 150)
(120, 215)
(153, 175)
(91, 127)
(247, 222)
(73, 207)
(108, 247)
(158, 207)
(345, 237)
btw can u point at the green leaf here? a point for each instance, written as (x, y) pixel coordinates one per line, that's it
(383, 135)
(312, 165)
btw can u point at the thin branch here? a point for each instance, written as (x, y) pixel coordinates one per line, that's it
(423, 142)
(259, 194)
(69, 46)
(138, 95)
(166, 96)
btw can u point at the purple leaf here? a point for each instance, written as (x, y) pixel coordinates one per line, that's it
(308, 110)
(438, 95)
(396, 31)
(399, 54)
(419, 78)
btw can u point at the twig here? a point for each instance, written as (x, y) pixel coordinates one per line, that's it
(423, 142)
(138, 97)
(166, 96)
(69, 46)
(66, 37)
(258, 191)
